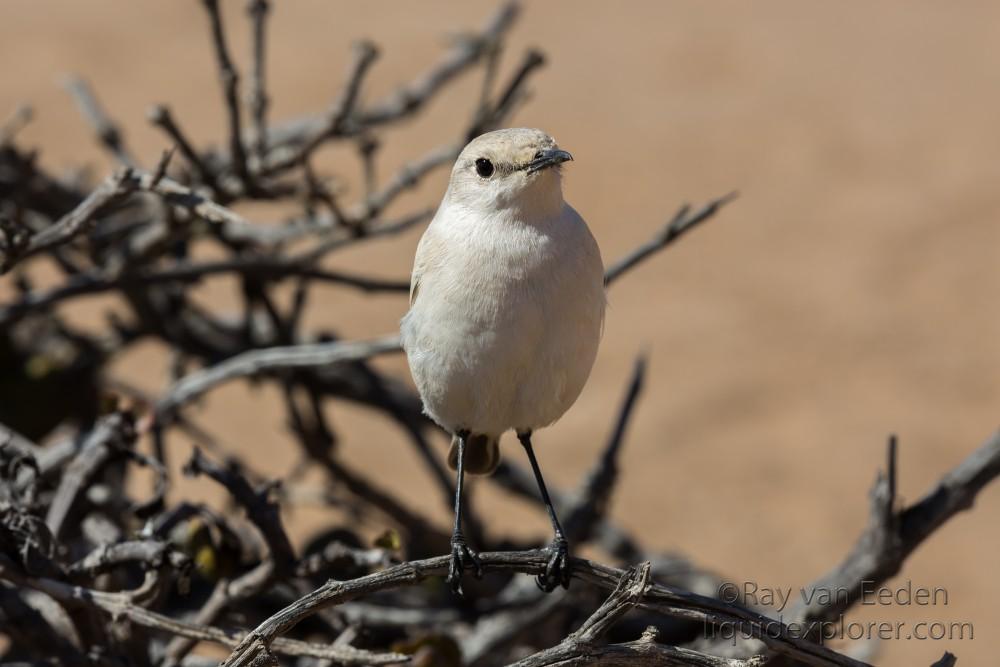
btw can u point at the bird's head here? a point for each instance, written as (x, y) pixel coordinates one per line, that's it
(516, 168)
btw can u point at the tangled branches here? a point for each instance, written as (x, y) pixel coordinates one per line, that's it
(97, 567)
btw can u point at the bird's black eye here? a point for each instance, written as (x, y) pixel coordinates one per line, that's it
(484, 167)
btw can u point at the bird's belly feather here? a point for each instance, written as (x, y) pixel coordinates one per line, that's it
(503, 360)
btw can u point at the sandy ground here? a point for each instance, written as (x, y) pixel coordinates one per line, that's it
(851, 291)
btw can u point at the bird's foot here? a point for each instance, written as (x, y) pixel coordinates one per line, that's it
(461, 557)
(557, 569)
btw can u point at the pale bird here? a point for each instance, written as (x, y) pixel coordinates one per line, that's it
(506, 312)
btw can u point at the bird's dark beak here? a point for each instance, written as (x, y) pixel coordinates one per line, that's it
(548, 158)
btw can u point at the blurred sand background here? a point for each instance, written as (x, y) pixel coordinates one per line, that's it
(850, 292)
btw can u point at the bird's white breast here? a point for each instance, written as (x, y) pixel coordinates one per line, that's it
(506, 318)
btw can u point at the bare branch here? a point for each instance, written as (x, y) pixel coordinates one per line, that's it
(160, 116)
(627, 594)
(684, 220)
(258, 100)
(107, 131)
(349, 238)
(161, 167)
(486, 118)
(947, 660)
(121, 605)
(261, 511)
(421, 533)
(115, 431)
(338, 551)
(9, 436)
(21, 116)
(230, 80)
(655, 597)
(124, 182)
(641, 652)
(584, 509)
(151, 553)
(892, 535)
(407, 177)
(581, 648)
(264, 268)
(489, 117)
(265, 516)
(410, 98)
(495, 631)
(255, 362)
(591, 501)
(404, 102)
(113, 190)
(334, 122)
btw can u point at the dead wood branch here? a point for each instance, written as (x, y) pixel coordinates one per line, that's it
(272, 360)
(121, 605)
(581, 647)
(230, 81)
(654, 597)
(893, 533)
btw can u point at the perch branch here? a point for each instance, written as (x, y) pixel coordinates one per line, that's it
(656, 598)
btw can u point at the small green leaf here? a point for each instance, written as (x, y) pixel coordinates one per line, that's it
(390, 540)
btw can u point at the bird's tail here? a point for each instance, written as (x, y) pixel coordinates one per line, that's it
(482, 454)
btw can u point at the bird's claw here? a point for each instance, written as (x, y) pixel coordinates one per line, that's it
(461, 557)
(557, 569)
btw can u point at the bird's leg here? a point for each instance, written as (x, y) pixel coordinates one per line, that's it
(557, 570)
(461, 554)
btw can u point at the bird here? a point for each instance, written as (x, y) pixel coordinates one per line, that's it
(506, 313)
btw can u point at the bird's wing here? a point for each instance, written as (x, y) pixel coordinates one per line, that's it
(432, 251)
(414, 287)
(419, 263)
(423, 256)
